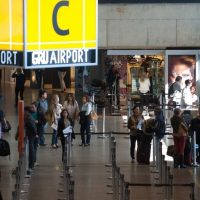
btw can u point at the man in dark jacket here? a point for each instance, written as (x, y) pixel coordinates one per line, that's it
(19, 87)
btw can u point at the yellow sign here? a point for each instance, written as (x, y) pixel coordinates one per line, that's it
(11, 25)
(52, 32)
(60, 24)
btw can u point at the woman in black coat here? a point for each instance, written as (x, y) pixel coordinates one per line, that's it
(63, 123)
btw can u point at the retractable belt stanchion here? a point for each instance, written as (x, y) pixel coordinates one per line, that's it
(154, 150)
(194, 150)
(103, 123)
(114, 170)
(111, 139)
(69, 184)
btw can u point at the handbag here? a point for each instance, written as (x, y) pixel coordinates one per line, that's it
(93, 115)
(182, 130)
(170, 150)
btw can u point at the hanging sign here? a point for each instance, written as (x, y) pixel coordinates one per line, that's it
(52, 33)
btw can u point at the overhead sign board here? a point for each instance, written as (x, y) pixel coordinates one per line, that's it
(56, 33)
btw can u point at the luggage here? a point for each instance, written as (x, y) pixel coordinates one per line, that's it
(4, 148)
(144, 149)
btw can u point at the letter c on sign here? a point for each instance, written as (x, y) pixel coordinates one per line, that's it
(55, 23)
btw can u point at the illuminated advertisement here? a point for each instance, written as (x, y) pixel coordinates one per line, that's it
(182, 81)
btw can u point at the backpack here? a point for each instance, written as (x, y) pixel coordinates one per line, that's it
(5, 126)
(4, 148)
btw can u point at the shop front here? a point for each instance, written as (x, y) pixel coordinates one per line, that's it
(147, 75)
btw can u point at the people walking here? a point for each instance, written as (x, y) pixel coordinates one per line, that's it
(180, 134)
(72, 107)
(31, 132)
(63, 123)
(34, 116)
(19, 86)
(135, 124)
(42, 107)
(55, 109)
(85, 121)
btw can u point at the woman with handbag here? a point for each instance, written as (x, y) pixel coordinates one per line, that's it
(180, 134)
(135, 124)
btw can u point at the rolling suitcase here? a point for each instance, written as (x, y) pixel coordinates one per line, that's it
(144, 150)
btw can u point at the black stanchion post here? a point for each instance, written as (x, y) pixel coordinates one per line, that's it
(127, 192)
(122, 187)
(71, 190)
(117, 183)
(114, 169)
(111, 139)
(193, 191)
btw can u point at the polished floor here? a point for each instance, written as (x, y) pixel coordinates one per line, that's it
(88, 163)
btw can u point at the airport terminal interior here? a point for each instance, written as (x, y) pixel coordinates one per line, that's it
(96, 171)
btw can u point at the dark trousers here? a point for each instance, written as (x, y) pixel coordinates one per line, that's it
(85, 130)
(133, 139)
(31, 153)
(19, 91)
(63, 147)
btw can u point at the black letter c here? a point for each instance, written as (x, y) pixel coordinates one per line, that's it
(55, 24)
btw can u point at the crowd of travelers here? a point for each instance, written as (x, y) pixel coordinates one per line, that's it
(183, 127)
(58, 117)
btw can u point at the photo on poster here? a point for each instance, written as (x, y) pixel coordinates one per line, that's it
(182, 81)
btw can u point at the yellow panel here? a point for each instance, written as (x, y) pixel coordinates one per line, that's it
(91, 45)
(11, 25)
(90, 19)
(32, 24)
(4, 25)
(68, 17)
(17, 25)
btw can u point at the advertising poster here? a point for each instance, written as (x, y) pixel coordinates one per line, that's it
(182, 81)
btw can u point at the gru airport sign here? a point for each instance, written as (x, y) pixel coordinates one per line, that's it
(45, 34)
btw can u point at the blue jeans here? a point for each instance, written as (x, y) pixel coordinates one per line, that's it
(54, 137)
(40, 129)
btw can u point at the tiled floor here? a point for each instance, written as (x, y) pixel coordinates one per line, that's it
(88, 164)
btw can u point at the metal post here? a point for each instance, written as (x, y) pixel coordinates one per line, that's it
(154, 150)
(194, 149)
(167, 171)
(171, 185)
(103, 123)
(111, 139)
(117, 182)
(114, 170)
(122, 187)
(127, 192)
(71, 190)
(69, 150)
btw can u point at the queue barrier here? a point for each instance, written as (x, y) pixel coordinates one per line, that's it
(67, 172)
(121, 188)
(21, 172)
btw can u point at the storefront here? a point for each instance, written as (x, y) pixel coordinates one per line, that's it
(162, 67)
